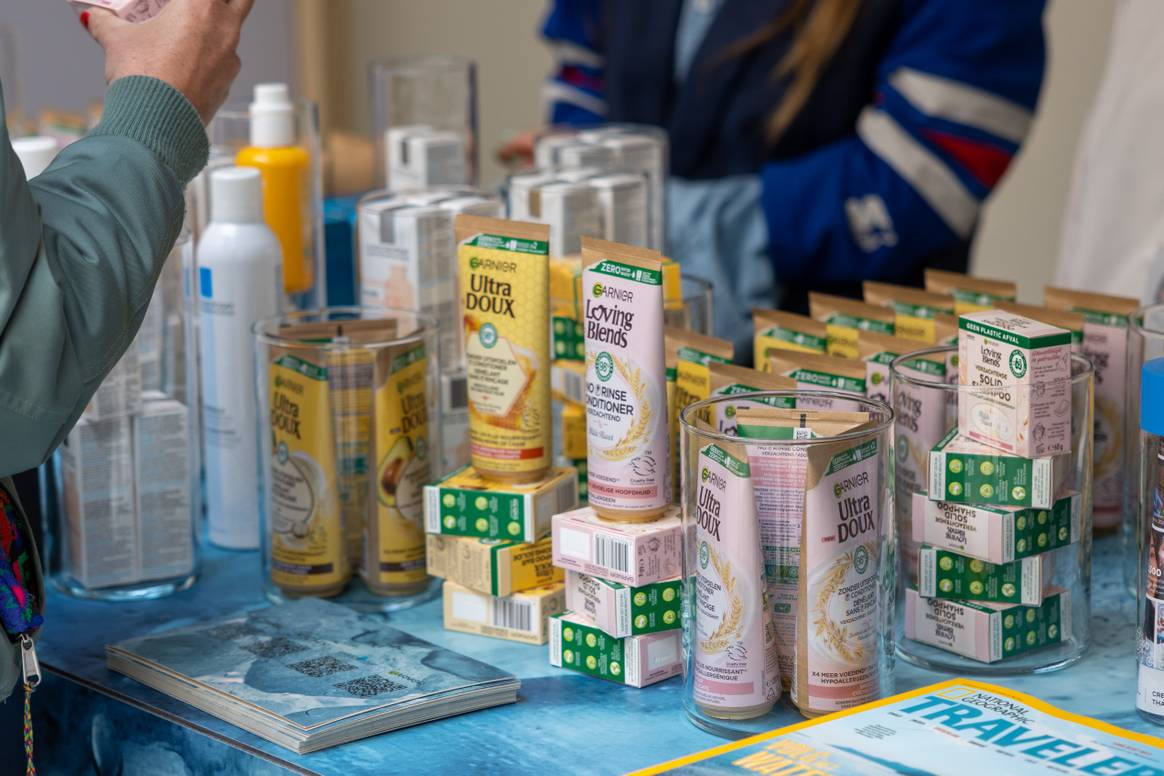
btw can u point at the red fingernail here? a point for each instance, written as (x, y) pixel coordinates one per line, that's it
(85, 19)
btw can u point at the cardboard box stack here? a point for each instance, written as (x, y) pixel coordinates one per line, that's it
(623, 597)
(490, 542)
(998, 503)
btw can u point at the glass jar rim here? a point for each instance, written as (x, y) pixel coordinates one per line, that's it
(422, 62)
(241, 111)
(266, 330)
(1081, 370)
(687, 415)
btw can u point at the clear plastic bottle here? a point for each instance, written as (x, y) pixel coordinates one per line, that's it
(1150, 682)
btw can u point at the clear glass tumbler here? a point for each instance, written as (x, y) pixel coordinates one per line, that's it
(995, 579)
(789, 564)
(349, 435)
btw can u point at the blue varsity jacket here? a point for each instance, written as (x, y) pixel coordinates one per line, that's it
(884, 170)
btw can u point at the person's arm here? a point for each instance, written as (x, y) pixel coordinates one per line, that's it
(82, 245)
(954, 100)
(575, 91)
(80, 249)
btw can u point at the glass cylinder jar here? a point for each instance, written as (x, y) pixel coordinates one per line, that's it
(1145, 342)
(696, 312)
(124, 484)
(995, 578)
(287, 151)
(788, 561)
(424, 122)
(349, 435)
(1150, 555)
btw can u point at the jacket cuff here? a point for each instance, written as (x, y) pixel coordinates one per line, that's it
(156, 115)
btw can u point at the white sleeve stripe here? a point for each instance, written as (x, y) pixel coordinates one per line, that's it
(556, 91)
(923, 170)
(963, 104)
(566, 53)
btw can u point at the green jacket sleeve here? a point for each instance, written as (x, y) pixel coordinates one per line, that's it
(81, 247)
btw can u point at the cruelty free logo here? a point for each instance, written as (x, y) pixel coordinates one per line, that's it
(604, 366)
(1018, 363)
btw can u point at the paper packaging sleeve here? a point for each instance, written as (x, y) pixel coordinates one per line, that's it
(634, 554)
(520, 617)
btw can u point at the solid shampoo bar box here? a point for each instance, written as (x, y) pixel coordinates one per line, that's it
(634, 554)
(466, 504)
(967, 472)
(636, 661)
(492, 566)
(996, 534)
(988, 632)
(624, 611)
(520, 617)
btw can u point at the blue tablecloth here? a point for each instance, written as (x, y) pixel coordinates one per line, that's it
(90, 720)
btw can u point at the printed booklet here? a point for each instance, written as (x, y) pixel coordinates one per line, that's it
(980, 727)
(311, 674)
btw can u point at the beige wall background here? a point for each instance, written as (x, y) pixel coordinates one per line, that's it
(499, 35)
(1019, 235)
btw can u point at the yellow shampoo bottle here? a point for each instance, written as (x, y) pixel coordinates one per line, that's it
(287, 184)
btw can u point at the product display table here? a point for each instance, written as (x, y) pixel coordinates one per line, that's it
(90, 720)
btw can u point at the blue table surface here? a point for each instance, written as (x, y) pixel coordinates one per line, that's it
(562, 721)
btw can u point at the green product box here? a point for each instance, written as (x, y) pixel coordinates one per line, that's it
(985, 631)
(466, 504)
(943, 574)
(621, 610)
(967, 472)
(996, 534)
(635, 660)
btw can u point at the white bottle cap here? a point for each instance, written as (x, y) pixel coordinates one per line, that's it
(35, 153)
(272, 117)
(236, 196)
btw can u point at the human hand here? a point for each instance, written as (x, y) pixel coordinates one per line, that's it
(190, 44)
(519, 151)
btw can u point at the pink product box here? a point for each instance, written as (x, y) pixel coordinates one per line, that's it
(634, 554)
(130, 10)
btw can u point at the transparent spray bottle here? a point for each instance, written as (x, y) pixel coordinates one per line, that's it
(1150, 680)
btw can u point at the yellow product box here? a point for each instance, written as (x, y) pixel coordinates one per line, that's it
(843, 318)
(519, 617)
(777, 330)
(971, 294)
(914, 310)
(466, 504)
(573, 431)
(492, 566)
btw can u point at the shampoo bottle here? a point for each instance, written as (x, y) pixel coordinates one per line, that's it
(239, 283)
(287, 184)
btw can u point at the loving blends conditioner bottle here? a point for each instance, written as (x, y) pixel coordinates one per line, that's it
(626, 393)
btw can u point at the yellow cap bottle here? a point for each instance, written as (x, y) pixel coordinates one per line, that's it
(287, 184)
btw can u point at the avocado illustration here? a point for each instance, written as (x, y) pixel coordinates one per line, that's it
(391, 470)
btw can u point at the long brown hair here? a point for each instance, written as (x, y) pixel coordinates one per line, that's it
(820, 26)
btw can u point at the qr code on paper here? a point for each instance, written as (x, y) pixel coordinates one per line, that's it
(322, 666)
(368, 686)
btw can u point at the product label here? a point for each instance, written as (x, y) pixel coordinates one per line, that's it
(916, 321)
(307, 543)
(781, 338)
(840, 595)
(1105, 343)
(736, 664)
(626, 421)
(404, 467)
(507, 352)
(842, 333)
(725, 413)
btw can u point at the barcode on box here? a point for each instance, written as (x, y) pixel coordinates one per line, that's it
(612, 553)
(513, 614)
